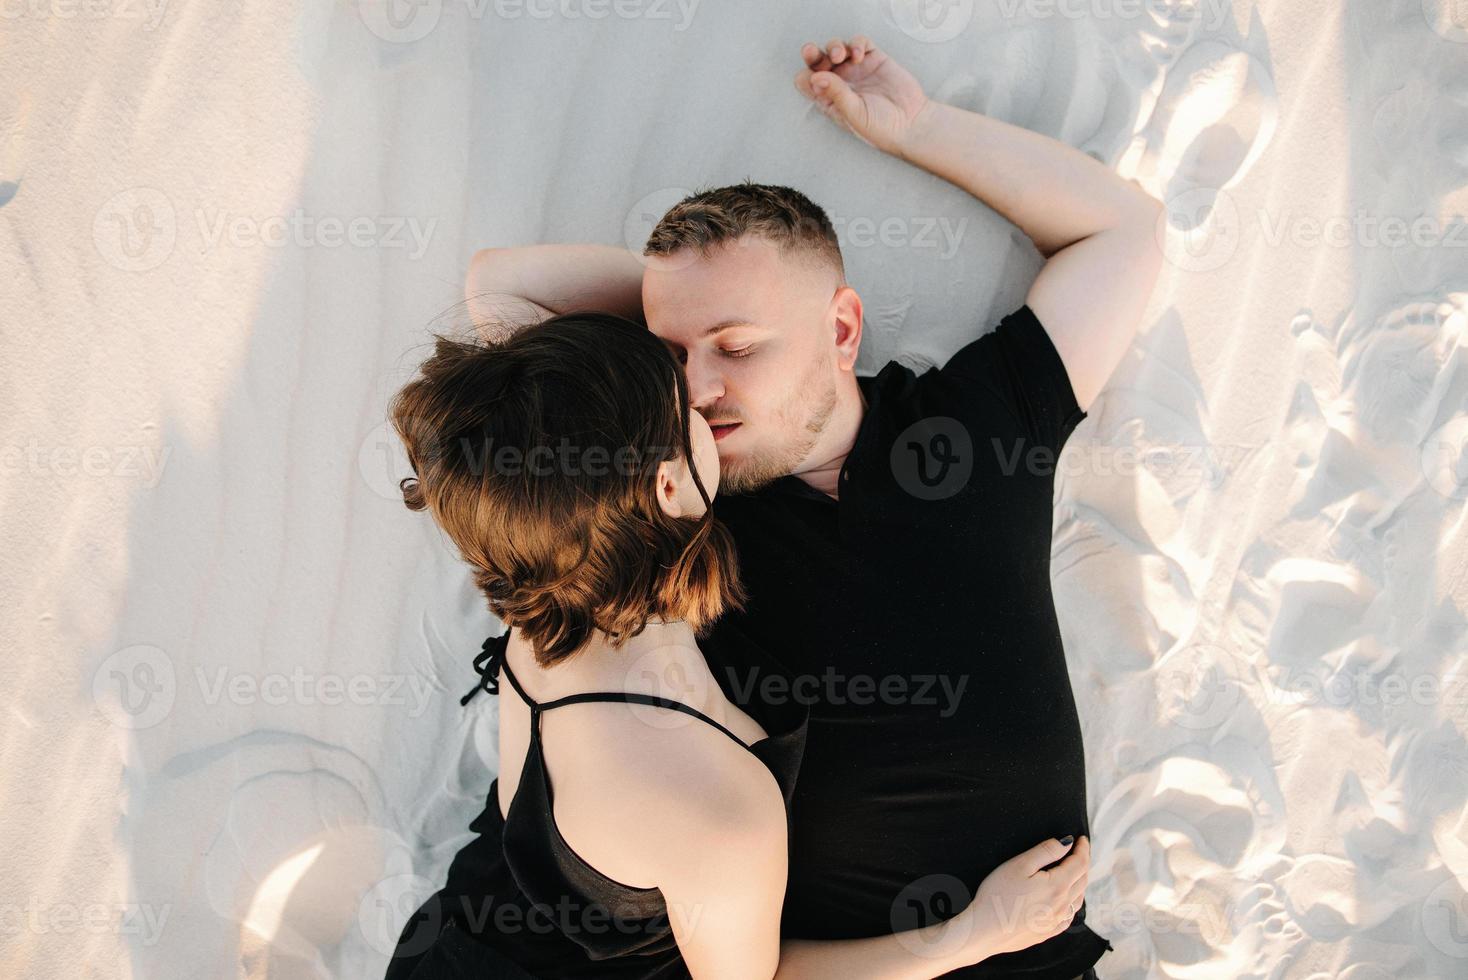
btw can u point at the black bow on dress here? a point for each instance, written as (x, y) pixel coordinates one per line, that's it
(487, 666)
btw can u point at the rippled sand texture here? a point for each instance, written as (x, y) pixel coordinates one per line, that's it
(1276, 729)
(232, 739)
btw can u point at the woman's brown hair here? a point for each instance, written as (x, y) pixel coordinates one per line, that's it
(538, 454)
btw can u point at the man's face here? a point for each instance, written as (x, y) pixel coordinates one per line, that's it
(754, 331)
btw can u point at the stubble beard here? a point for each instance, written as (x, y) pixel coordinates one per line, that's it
(807, 416)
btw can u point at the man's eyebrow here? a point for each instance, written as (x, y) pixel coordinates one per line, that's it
(726, 325)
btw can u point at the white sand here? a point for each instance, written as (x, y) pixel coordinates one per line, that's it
(216, 759)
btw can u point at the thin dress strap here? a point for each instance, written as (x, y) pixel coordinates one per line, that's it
(491, 661)
(626, 697)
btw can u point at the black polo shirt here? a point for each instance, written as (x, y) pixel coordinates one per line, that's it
(916, 618)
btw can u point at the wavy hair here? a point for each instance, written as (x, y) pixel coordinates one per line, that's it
(537, 456)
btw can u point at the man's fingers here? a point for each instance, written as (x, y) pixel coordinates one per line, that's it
(802, 83)
(805, 82)
(836, 52)
(832, 88)
(815, 57)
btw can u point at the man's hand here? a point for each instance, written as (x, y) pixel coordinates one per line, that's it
(862, 90)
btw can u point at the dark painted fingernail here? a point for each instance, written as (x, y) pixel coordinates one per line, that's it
(1067, 840)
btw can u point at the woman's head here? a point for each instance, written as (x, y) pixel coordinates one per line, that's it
(564, 464)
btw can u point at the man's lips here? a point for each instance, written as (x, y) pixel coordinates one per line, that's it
(722, 429)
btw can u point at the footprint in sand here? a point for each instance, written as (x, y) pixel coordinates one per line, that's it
(1374, 419)
(1205, 119)
(287, 835)
(1209, 107)
(1413, 87)
(1399, 369)
(1207, 110)
(1166, 838)
(1213, 119)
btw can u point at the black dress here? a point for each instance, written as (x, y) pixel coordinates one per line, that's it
(519, 902)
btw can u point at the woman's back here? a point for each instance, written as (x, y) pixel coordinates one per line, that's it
(612, 794)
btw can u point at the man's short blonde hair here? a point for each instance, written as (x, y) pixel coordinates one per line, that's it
(782, 215)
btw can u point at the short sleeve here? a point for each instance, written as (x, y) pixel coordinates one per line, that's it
(1016, 369)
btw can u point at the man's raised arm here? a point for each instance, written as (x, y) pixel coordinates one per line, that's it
(1096, 230)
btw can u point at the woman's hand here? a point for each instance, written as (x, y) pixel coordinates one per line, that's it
(863, 90)
(1019, 904)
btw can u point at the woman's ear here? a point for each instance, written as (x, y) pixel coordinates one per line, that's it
(668, 480)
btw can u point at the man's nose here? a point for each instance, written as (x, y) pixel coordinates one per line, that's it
(705, 385)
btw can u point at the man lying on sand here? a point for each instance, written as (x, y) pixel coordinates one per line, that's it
(893, 539)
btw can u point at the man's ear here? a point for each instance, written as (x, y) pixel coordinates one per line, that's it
(667, 487)
(846, 320)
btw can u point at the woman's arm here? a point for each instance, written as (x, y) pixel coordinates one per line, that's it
(720, 854)
(1017, 906)
(536, 281)
(722, 872)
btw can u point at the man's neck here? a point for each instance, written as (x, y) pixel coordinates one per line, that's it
(840, 436)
